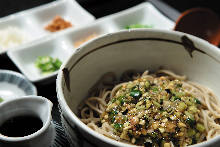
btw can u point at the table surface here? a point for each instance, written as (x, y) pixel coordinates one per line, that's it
(98, 8)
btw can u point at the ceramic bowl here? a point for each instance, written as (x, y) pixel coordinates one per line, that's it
(139, 49)
(14, 85)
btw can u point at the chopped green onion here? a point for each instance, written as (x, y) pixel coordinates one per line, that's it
(47, 64)
(155, 89)
(153, 134)
(170, 110)
(134, 26)
(192, 109)
(135, 94)
(190, 122)
(147, 84)
(177, 98)
(200, 127)
(191, 132)
(182, 106)
(1, 100)
(125, 118)
(121, 99)
(148, 104)
(156, 103)
(179, 85)
(118, 127)
(113, 100)
(112, 115)
(179, 94)
(189, 115)
(141, 107)
(134, 87)
(197, 101)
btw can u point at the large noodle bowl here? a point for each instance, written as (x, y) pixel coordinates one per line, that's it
(159, 109)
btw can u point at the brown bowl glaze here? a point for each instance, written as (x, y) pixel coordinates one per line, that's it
(201, 22)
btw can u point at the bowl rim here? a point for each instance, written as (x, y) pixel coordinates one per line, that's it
(19, 75)
(71, 116)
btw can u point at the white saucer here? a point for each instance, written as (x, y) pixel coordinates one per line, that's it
(13, 85)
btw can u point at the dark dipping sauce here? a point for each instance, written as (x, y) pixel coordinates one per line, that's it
(21, 126)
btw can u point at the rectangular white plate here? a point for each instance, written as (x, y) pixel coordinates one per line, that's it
(61, 44)
(25, 58)
(34, 20)
(145, 14)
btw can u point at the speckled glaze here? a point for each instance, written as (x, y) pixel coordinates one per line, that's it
(138, 49)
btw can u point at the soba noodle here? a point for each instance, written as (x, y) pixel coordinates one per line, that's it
(94, 106)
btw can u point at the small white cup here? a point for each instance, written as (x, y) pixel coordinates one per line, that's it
(29, 105)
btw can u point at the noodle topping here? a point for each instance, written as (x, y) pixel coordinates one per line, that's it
(156, 111)
(162, 109)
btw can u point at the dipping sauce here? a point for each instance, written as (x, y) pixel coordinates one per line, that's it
(21, 126)
(58, 24)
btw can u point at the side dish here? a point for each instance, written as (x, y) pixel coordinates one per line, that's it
(135, 26)
(58, 24)
(80, 42)
(12, 37)
(160, 109)
(1, 100)
(47, 64)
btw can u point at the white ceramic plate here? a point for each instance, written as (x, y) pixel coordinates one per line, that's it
(62, 44)
(25, 58)
(34, 20)
(14, 85)
(145, 14)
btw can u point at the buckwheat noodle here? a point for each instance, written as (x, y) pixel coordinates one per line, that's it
(91, 109)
